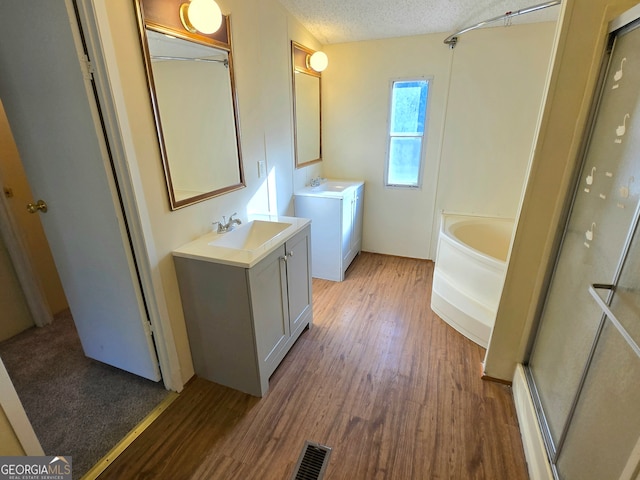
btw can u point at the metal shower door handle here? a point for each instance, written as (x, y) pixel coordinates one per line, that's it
(611, 316)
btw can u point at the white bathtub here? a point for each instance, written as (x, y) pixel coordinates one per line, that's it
(469, 272)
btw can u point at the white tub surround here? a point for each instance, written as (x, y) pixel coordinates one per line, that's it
(213, 248)
(335, 209)
(469, 272)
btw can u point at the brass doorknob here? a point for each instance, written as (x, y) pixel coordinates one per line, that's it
(39, 205)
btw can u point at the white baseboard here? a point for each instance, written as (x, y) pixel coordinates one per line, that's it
(534, 449)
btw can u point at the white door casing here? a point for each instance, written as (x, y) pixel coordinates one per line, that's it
(12, 407)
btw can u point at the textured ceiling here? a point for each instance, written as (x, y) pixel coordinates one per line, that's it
(337, 21)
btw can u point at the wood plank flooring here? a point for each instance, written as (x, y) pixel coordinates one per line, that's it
(394, 391)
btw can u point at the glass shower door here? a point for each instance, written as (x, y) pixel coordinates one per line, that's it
(573, 332)
(603, 438)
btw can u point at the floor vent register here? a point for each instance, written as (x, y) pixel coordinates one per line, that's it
(312, 463)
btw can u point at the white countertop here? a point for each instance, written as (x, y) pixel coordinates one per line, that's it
(330, 188)
(200, 248)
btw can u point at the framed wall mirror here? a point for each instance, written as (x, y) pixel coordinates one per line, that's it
(191, 84)
(307, 135)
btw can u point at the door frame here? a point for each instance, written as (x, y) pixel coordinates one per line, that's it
(12, 407)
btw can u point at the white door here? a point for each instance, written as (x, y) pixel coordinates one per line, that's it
(51, 107)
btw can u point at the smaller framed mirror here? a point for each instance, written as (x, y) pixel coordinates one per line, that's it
(191, 84)
(307, 135)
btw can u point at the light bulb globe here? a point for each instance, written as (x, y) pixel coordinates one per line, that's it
(318, 61)
(205, 15)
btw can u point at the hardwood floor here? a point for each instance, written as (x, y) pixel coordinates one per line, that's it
(394, 391)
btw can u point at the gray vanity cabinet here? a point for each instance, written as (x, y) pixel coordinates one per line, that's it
(241, 322)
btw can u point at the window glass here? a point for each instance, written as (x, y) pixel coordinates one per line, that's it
(406, 132)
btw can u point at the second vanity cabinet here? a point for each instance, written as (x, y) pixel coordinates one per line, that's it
(335, 209)
(241, 322)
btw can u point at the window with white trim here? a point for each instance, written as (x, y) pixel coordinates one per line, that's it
(407, 128)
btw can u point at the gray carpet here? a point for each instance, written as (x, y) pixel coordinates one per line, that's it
(77, 406)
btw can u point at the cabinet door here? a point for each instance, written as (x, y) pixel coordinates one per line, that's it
(326, 234)
(356, 232)
(268, 299)
(299, 277)
(347, 227)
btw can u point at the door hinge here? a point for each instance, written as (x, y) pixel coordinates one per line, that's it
(149, 328)
(87, 68)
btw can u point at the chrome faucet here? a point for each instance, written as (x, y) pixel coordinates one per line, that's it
(225, 226)
(315, 182)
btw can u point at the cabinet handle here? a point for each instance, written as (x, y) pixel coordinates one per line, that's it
(286, 256)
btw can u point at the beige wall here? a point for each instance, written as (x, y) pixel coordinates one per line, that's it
(580, 42)
(355, 110)
(261, 31)
(484, 102)
(12, 175)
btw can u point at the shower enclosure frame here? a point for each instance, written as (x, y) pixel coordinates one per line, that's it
(624, 24)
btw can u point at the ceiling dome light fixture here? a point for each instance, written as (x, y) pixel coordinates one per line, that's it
(203, 16)
(318, 61)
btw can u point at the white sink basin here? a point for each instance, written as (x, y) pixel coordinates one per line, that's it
(251, 235)
(331, 187)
